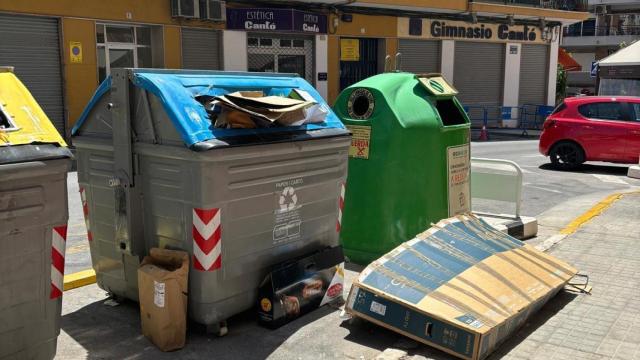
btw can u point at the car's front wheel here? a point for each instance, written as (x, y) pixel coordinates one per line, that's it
(566, 155)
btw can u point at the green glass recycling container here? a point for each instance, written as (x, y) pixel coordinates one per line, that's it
(409, 160)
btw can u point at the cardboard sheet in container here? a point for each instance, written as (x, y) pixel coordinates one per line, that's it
(461, 286)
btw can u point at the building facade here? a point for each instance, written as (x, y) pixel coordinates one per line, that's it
(611, 24)
(494, 52)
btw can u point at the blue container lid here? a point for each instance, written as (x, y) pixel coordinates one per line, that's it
(177, 91)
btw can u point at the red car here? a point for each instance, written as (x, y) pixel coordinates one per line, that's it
(592, 128)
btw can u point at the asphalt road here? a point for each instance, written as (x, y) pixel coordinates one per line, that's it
(545, 188)
(554, 197)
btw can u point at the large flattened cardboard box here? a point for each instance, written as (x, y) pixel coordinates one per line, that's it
(462, 287)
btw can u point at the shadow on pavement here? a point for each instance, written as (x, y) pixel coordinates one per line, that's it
(538, 319)
(107, 332)
(591, 169)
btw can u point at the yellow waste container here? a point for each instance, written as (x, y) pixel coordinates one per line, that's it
(34, 161)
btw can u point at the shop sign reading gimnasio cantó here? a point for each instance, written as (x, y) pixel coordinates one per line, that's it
(460, 30)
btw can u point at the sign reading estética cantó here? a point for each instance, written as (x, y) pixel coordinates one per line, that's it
(460, 30)
(266, 19)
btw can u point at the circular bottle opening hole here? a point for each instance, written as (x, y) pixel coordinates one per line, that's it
(361, 105)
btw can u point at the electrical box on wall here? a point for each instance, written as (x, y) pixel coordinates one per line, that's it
(199, 9)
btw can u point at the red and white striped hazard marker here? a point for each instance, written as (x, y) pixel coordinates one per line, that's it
(340, 207)
(85, 210)
(58, 245)
(207, 247)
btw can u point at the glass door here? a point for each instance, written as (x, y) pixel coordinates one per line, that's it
(121, 57)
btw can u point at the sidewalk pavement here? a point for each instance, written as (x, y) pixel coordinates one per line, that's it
(604, 325)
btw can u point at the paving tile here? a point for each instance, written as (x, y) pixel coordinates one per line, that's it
(606, 324)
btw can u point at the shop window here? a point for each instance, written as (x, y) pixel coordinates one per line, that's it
(120, 46)
(100, 34)
(143, 35)
(102, 64)
(285, 43)
(266, 42)
(144, 57)
(120, 34)
(262, 63)
(282, 54)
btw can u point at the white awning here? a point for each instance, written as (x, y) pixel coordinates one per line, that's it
(629, 55)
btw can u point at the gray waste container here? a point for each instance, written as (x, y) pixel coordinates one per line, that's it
(34, 161)
(156, 173)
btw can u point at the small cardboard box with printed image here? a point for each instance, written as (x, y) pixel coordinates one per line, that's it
(301, 285)
(462, 287)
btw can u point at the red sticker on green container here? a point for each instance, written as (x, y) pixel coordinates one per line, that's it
(360, 141)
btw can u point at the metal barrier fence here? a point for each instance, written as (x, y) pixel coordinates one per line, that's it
(527, 116)
(497, 180)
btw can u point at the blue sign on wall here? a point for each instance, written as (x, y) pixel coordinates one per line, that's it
(265, 19)
(594, 69)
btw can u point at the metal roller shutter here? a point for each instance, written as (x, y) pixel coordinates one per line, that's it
(534, 62)
(478, 75)
(420, 56)
(32, 45)
(201, 49)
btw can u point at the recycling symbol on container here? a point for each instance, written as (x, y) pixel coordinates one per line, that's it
(288, 199)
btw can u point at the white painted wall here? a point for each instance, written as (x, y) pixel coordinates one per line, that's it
(553, 70)
(447, 53)
(322, 63)
(234, 49)
(511, 89)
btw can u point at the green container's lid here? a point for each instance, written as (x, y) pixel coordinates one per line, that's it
(437, 85)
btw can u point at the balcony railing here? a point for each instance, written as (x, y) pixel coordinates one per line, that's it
(602, 30)
(566, 5)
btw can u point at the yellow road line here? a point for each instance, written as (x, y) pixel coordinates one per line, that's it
(591, 213)
(81, 278)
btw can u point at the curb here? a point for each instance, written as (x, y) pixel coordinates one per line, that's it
(634, 172)
(522, 228)
(578, 222)
(79, 279)
(596, 210)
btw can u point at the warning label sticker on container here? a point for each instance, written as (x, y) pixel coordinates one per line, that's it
(459, 170)
(360, 142)
(288, 219)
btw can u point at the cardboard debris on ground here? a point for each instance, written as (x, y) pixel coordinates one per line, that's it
(461, 286)
(251, 109)
(299, 286)
(162, 285)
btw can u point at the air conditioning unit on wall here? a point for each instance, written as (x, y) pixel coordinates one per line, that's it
(213, 10)
(202, 9)
(185, 8)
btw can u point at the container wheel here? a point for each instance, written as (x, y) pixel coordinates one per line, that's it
(220, 329)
